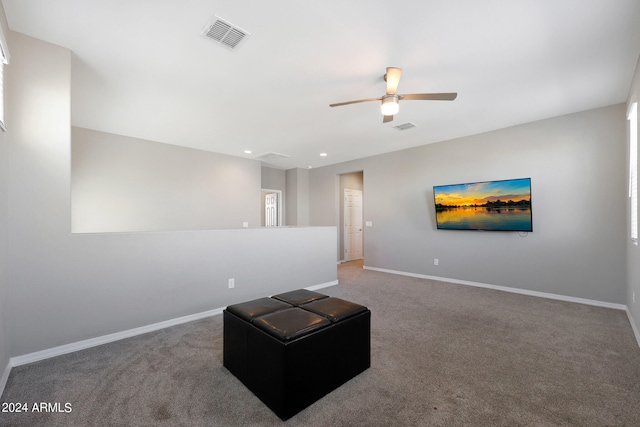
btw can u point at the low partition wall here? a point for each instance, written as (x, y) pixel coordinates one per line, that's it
(100, 285)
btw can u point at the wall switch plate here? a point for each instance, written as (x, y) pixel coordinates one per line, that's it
(232, 283)
(245, 225)
(436, 261)
(369, 224)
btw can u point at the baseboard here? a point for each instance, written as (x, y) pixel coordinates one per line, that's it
(633, 326)
(506, 289)
(93, 342)
(105, 339)
(322, 285)
(5, 378)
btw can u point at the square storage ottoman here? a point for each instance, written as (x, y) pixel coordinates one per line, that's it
(292, 356)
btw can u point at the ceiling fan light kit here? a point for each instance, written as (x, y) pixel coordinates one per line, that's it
(391, 101)
(390, 105)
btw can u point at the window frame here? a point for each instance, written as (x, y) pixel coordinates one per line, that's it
(4, 60)
(632, 116)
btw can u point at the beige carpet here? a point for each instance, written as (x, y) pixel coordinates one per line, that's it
(442, 355)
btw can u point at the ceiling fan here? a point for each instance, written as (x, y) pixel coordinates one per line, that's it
(390, 101)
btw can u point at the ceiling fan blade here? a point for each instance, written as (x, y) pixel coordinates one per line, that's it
(392, 78)
(429, 96)
(387, 119)
(354, 102)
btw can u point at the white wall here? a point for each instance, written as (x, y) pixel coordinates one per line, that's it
(577, 166)
(633, 251)
(65, 288)
(121, 184)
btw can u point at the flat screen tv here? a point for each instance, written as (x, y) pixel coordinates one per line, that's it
(488, 206)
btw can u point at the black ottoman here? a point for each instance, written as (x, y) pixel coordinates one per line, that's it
(293, 356)
(237, 320)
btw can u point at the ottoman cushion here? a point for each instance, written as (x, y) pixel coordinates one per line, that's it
(299, 297)
(290, 323)
(335, 309)
(251, 309)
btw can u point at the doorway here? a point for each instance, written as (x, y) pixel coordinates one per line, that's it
(350, 216)
(271, 208)
(352, 224)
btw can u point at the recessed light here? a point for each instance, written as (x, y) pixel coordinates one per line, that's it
(248, 151)
(323, 154)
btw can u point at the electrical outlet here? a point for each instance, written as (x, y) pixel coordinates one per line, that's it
(436, 261)
(232, 283)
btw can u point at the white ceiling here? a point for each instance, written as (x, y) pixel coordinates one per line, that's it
(141, 68)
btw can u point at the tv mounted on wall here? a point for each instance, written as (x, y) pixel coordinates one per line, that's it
(488, 206)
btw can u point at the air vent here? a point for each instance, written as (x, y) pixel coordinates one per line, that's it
(405, 126)
(224, 33)
(271, 156)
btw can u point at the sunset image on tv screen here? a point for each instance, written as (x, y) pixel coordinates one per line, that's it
(492, 205)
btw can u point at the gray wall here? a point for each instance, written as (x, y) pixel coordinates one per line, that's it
(274, 179)
(121, 184)
(577, 166)
(65, 287)
(633, 250)
(4, 251)
(297, 197)
(4, 243)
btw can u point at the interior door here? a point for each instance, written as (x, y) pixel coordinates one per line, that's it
(271, 210)
(352, 225)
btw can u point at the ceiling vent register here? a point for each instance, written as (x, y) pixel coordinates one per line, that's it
(271, 156)
(405, 126)
(224, 33)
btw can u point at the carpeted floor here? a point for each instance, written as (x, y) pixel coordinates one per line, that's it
(442, 355)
